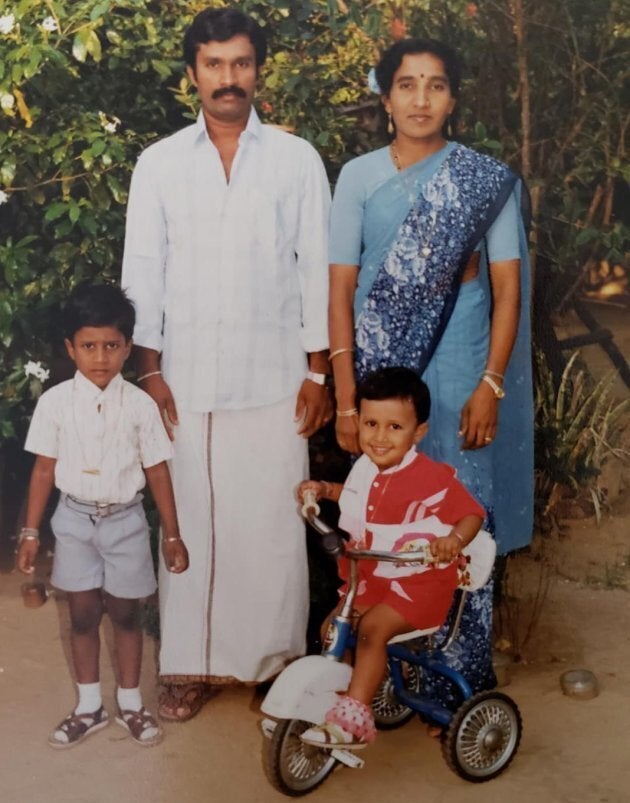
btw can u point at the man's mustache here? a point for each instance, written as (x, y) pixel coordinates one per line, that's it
(229, 90)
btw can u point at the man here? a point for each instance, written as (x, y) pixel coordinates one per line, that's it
(226, 261)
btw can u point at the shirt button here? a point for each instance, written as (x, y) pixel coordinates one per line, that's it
(370, 507)
(376, 484)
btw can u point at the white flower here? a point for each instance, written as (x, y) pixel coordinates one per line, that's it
(7, 101)
(7, 23)
(109, 125)
(3, 197)
(37, 370)
(50, 24)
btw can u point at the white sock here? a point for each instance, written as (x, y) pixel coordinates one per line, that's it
(129, 699)
(89, 698)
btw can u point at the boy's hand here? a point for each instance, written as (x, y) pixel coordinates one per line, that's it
(175, 555)
(446, 549)
(26, 554)
(310, 485)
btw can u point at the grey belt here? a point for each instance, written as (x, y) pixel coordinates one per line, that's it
(99, 509)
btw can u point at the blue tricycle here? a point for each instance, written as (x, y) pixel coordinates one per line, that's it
(479, 739)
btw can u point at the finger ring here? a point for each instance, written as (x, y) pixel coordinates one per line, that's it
(488, 439)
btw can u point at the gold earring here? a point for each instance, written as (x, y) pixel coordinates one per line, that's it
(449, 129)
(390, 124)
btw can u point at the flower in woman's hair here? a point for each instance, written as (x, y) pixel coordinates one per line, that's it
(373, 83)
(37, 370)
(50, 24)
(7, 23)
(3, 197)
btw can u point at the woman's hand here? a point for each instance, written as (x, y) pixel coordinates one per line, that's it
(347, 431)
(479, 418)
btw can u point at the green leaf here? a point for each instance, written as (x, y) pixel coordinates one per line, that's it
(585, 236)
(55, 211)
(99, 10)
(93, 46)
(98, 147)
(79, 47)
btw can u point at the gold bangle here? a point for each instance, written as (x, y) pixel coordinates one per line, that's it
(28, 534)
(171, 539)
(347, 413)
(337, 352)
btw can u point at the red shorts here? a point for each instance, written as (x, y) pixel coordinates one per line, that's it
(431, 595)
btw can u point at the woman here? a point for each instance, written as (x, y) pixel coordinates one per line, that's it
(429, 270)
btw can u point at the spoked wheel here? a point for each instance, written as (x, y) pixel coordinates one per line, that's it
(483, 736)
(292, 767)
(388, 712)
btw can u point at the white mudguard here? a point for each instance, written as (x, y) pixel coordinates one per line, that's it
(306, 689)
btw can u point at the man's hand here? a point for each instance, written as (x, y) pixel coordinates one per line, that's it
(314, 407)
(161, 394)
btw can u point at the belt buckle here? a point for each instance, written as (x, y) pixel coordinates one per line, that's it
(102, 509)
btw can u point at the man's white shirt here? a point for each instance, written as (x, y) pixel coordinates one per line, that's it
(229, 280)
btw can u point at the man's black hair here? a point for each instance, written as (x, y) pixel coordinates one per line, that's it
(219, 25)
(98, 305)
(396, 383)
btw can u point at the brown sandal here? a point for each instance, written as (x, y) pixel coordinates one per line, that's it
(78, 727)
(138, 723)
(180, 702)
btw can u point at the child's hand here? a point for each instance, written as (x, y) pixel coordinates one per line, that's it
(175, 555)
(447, 548)
(318, 489)
(26, 554)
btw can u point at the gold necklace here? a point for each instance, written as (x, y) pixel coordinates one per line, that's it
(395, 157)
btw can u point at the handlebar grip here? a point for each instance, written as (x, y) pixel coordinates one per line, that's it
(309, 505)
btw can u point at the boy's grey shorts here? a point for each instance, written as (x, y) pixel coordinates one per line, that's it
(110, 552)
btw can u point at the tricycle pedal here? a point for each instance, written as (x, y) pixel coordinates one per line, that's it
(348, 758)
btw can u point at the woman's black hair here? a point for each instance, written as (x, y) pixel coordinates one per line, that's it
(392, 59)
(396, 383)
(219, 25)
(98, 305)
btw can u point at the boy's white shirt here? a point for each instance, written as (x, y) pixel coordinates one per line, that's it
(116, 431)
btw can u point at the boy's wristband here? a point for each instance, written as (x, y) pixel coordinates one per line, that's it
(28, 534)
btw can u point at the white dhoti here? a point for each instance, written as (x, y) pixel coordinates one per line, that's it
(239, 612)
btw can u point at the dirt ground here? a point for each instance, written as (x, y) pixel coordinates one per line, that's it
(572, 751)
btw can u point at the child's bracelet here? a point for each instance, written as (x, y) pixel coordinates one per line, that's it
(28, 534)
(347, 413)
(459, 536)
(171, 539)
(146, 376)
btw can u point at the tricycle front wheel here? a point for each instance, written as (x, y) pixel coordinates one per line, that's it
(292, 767)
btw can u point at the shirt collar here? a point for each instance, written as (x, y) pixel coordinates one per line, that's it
(253, 129)
(87, 388)
(407, 459)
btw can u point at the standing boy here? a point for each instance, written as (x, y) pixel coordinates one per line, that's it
(93, 436)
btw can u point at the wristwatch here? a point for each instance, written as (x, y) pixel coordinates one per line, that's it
(498, 391)
(319, 379)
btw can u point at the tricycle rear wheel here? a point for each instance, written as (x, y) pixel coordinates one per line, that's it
(483, 736)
